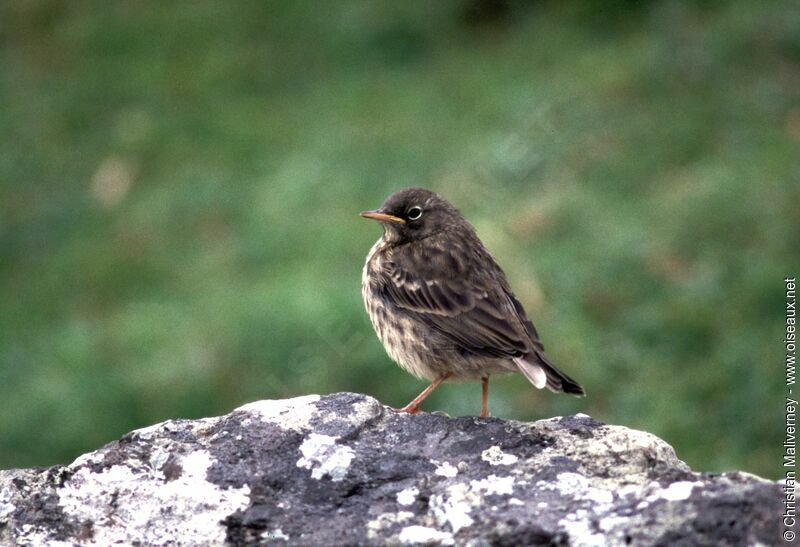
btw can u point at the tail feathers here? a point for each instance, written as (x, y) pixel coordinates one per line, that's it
(532, 371)
(542, 373)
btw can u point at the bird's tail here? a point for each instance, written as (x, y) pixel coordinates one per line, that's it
(542, 373)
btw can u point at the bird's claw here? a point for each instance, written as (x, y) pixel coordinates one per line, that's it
(407, 410)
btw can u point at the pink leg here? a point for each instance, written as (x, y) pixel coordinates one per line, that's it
(413, 406)
(485, 400)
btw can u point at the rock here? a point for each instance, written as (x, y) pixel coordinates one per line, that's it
(343, 469)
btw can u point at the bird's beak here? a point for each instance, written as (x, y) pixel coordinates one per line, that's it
(382, 217)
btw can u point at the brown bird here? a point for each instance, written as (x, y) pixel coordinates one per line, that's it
(441, 305)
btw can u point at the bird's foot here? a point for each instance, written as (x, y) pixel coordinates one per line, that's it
(408, 409)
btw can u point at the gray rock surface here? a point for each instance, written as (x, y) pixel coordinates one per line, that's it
(343, 469)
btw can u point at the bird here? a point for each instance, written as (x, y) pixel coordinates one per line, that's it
(442, 306)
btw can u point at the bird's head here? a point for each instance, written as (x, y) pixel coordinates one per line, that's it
(415, 213)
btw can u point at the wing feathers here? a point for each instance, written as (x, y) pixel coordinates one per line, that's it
(473, 308)
(471, 303)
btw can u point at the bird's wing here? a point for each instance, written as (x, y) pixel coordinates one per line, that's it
(463, 296)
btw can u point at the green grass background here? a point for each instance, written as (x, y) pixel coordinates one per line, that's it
(180, 183)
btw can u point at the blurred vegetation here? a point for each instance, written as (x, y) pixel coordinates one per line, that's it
(180, 183)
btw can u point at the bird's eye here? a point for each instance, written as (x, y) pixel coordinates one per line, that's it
(414, 213)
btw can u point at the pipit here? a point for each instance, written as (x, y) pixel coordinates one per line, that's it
(441, 305)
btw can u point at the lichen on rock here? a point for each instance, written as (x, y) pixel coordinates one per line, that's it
(344, 469)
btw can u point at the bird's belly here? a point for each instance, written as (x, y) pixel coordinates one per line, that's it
(404, 338)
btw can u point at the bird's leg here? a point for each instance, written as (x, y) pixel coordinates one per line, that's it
(485, 399)
(413, 406)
